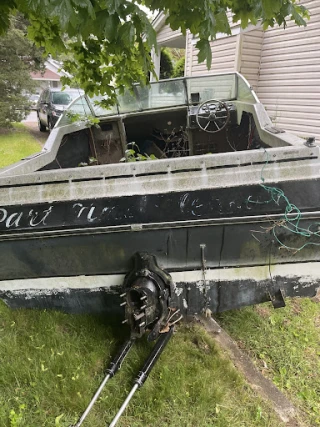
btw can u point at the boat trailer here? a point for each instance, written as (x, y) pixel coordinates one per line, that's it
(148, 301)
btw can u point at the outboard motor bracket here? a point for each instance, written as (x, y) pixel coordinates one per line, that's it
(147, 294)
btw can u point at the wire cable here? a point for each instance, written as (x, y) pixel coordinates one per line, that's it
(290, 222)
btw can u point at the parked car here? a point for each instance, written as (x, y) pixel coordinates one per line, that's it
(51, 104)
(34, 98)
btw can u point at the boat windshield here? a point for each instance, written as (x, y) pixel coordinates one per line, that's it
(170, 93)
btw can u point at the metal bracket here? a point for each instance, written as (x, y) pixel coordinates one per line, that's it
(206, 310)
(277, 298)
(147, 295)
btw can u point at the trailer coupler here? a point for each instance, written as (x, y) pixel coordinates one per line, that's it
(147, 299)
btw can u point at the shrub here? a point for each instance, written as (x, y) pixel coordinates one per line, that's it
(178, 70)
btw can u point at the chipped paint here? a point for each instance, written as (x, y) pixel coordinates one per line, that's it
(305, 274)
(178, 291)
(201, 285)
(225, 289)
(52, 284)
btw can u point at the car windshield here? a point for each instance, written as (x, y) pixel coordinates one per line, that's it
(63, 98)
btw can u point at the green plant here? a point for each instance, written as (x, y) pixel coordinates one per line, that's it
(57, 420)
(16, 418)
(53, 363)
(285, 346)
(15, 144)
(133, 155)
(166, 66)
(80, 117)
(178, 70)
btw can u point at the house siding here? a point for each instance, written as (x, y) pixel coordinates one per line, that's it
(188, 55)
(223, 57)
(50, 78)
(250, 55)
(224, 52)
(289, 80)
(165, 34)
(240, 52)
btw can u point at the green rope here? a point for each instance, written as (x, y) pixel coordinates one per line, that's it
(292, 215)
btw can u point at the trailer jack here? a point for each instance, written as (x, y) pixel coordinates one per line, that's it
(147, 298)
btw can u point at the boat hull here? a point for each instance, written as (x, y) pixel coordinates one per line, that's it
(217, 264)
(216, 229)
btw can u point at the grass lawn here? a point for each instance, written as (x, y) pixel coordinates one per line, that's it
(15, 144)
(285, 345)
(51, 364)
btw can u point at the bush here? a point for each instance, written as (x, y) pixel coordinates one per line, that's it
(178, 70)
(166, 66)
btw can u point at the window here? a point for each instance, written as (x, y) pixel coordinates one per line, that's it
(61, 98)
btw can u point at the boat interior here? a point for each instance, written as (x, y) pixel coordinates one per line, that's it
(174, 118)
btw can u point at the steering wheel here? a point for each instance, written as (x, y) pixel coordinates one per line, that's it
(212, 116)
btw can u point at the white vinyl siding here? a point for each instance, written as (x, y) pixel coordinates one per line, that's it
(250, 55)
(289, 81)
(165, 34)
(223, 54)
(188, 63)
(223, 57)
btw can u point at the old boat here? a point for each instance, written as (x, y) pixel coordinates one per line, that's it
(214, 208)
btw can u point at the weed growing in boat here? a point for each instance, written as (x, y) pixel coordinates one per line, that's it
(133, 154)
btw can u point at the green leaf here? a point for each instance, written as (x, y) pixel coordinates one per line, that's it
(65, 12)
(35, 5)
(86, 4)
(270, 7)
(297, 13)
(5, 8)
(127, 32)
(205, 52)
(147, 28)
(106, 24)
(113, 6)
